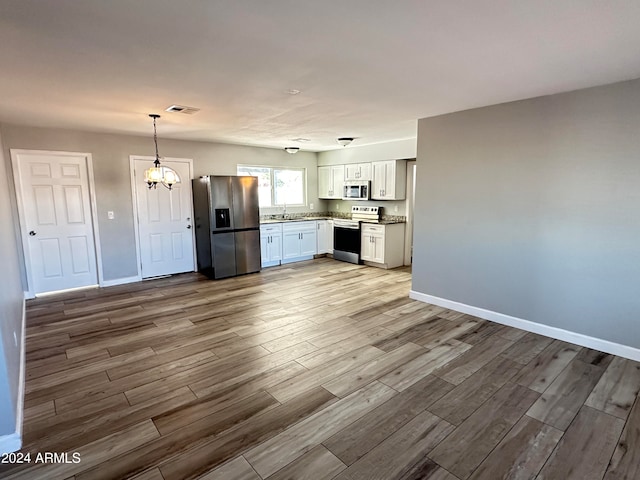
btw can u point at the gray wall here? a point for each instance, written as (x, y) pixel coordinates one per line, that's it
(531, 209)
(113, 188)
(401, 149)
(11, 302)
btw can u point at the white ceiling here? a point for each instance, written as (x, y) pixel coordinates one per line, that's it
(365, 68)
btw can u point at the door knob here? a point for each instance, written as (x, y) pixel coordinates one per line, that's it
(32, 233)
(189, 226)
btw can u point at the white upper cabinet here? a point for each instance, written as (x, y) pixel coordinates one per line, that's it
(357, 171)
(389, 180)
(330, 181)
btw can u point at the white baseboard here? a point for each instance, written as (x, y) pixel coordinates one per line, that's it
(10, 443)
(120, 281)
(546, 330)
(13, 441)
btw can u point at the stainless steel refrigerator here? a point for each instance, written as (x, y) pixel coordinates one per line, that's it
(227, 220)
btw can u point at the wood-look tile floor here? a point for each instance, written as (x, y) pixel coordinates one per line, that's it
(316, 370)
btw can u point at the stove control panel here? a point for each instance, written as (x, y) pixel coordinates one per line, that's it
(367, 213)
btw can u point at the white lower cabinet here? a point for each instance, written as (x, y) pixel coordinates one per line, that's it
(372, 244)
(271, 244)
(382, 245)
(325, 236)
(299, 241)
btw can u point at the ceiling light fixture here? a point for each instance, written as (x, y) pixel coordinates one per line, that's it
(159, 174)
(293, 91)
(182, 109)
(344, 141)
(291, 149)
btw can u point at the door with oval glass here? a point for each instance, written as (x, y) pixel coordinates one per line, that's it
(164, 219)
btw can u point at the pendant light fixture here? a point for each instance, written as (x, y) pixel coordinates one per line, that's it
(159, 174)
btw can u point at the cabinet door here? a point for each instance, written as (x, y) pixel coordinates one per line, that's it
(389, 189)
(324, 182)
(352, 171)
(377, 248)
(264, 249)
(275, 247)
(308, 240)
(330, 236)
(322, 245)
(379, 180)
(290, 245)
(337, 181)
(366, 248)
(365, 171)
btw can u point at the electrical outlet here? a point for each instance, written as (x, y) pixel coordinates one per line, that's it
(110, 215)
(337, 206)
(395, 209)
(311, 206)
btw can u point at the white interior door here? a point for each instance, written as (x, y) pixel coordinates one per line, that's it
(164, 221)
(56, 220)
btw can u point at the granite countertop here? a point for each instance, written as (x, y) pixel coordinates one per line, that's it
(304, 219)
(385, 222)
(295, 219)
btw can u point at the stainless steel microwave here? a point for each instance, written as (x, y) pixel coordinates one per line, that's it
(356, 190)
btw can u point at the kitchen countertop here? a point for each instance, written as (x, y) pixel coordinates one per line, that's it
(296, 219)
(384, 222)
(304, 219)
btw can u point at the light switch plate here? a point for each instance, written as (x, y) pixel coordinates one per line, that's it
(110, 215)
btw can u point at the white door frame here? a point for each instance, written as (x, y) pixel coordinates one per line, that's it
(410, 207)
(134, 198)
(15, 153)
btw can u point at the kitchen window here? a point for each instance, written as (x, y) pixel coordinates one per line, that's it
(278, 186)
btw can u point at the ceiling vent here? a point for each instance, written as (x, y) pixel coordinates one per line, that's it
(182, 109)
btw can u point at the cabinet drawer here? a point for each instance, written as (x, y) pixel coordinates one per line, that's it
(370, 228)
(299, 226)
(275, 228)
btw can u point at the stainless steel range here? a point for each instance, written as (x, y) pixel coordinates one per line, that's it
(346, 233)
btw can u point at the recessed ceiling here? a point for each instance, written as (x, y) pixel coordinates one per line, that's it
(364, 69)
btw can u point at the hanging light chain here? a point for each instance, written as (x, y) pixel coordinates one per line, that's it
(155, 139)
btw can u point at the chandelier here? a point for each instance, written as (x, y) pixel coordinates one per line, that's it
(159, 174)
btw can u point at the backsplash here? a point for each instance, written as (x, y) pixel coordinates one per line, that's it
(394, 218)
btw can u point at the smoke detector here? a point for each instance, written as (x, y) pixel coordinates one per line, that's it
(182, 109)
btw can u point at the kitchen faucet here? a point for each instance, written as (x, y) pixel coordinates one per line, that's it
(284, 211)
